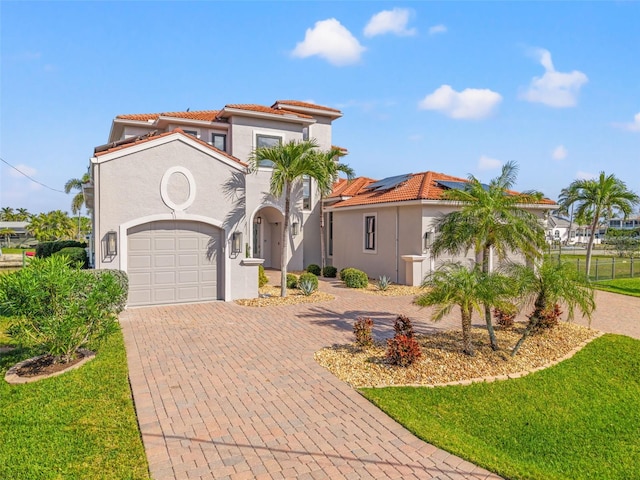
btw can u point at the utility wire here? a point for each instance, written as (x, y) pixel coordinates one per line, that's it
(31, 178)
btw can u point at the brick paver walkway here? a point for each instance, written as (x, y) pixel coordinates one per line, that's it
(224, 391)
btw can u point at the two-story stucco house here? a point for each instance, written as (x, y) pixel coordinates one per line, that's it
(175, 206)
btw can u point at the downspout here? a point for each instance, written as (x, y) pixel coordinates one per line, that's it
(397, 244)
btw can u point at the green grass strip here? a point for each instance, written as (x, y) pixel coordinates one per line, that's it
(624, 286)
(577, 420)
(80, 425)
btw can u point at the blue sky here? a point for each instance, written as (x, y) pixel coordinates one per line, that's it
(458, 88)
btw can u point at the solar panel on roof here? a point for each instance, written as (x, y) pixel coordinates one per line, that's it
(458, 185)
(389, 182)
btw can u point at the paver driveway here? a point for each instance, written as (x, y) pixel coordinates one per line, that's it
(224, 391)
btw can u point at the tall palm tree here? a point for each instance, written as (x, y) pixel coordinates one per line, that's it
(22, 215)
(78, 199)
(55, 225)
(456, 285)
(491, 218)
(548, 284)
(327, 174)
(290, 162)
(598, 199)
(7, 214)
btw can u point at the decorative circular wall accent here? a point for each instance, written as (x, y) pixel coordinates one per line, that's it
(164, 188)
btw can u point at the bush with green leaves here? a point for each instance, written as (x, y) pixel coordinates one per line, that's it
(362, 329)
(59, 309)
(354, 278)
(262, 277)
(308, 278)
(329, 271)
(77, 256)
(120, 301)
(342, 270)
(46, 249)
(313, 268)
(292, 281)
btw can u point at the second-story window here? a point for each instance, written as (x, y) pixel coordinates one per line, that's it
(306, 192)
(193, 133)
(219, 140)
(267, 141)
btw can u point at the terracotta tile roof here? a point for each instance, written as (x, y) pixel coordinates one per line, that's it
(262, 109)
(297, 103)
(154, 136)
(342, 149)
(419, 186)
(206, 115)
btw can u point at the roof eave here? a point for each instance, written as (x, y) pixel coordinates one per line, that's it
(310, 111)
(271, 116)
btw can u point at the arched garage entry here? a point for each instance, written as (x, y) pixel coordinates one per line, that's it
(174, 261)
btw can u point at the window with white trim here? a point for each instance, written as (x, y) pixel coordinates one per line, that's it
(267, 141)
(370, 232)
(219, 140)
(306, 192)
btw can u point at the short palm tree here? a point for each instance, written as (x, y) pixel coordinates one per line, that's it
(491, 218)
(326, 176)
(6, 233)
(546, 285)
(598, 199)
(290, 162)
(452, 285)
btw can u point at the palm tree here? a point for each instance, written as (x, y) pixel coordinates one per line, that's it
(598, 199)
(290, 162)
(326, 176)
(7, 214)
(7, 232)
(55, 225)
(22, 215)
(455, 285)
(491, 218)
(547, 285)
(78, 199)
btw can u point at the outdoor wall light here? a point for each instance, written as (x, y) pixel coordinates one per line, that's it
(295, 228)
(112, 243)
(427, 241)
(236, 242)
(259, 220)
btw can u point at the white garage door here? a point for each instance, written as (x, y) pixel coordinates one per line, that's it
(173, 262)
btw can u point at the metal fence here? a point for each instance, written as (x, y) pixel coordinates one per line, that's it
(607, 268)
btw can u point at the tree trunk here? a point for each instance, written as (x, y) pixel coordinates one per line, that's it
(323, 262)
(596, 215)
(467, 345)
(540, 305)
(284, 240)
(487, 308)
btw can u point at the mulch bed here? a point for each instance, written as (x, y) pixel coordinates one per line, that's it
(443, 362)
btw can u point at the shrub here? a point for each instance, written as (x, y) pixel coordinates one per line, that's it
(362, 330)
(262, 277)
(46, 249)
(505, 315)
(308, 277)
(354, 278)
(403, 326)
(313, 268)
(548, 318)
(306, 287)
(292, 280)
(329, 271)
(77, 256)
(403, 350)
(58, 308)
(342, 270)
(119, 301)
(383, 283)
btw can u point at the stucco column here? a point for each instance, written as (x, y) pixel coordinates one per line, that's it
(413, 276)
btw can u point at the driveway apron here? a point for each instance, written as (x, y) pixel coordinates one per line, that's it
(225, 391)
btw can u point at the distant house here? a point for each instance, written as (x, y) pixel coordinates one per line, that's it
(386, 227)
(558, 230)
(19, 229)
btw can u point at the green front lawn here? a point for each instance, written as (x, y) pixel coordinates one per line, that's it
(80, 425)
(624, 286)
(577, 420)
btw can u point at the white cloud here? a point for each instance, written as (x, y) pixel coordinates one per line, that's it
(26, 169)
(330, 40)
(559, 153)
(585, 175)
(555, 89)
(488, 163)
(631, 126)
(437, 29)
(390, 21)
(471, 103)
